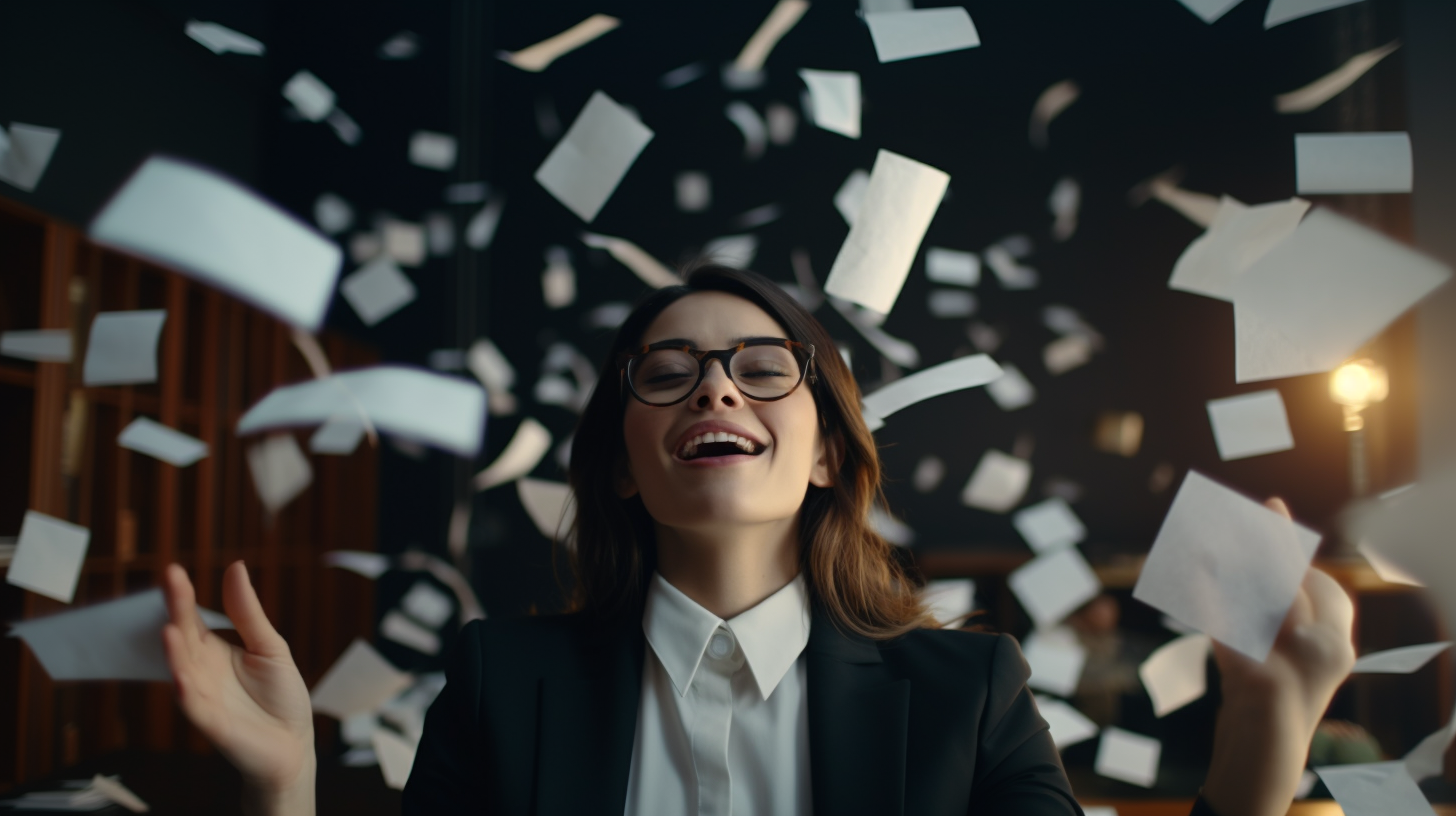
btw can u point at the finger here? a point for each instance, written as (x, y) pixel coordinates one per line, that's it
(1277, 505)
(182, 602)
(1329, 601)
(240, 601)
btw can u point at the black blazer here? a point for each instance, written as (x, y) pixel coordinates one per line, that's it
(539, 717)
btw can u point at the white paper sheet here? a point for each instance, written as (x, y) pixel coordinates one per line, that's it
(402, 46)
(1226, 565)
(495, 372)
(851, 195)
(1210, 10)
(737, 251)
(1065, 203)
(368, 564)
(1009, 272)
(899, 203)
(678, 77)
(1177, 673)
(280, 471)
(1428, 758)
(1129, 757)
(332, 214)
(1061, 356)
(549, 504)
(998, 482)
(528, 446)
(480, 229)
(122, 348)
(1320, 294)
(694, 191)
(784, 16)
(159, 441)
(585, 167)
(836, 100)
(25, 153)
(1053, 585)
(433, 150)
(1200, 208)
(1375, 789)
(1404, 660)
(219, 39)
(1353, 162)
(48, 556)
(396, 757)
(929, 473)
(1012, 390)
(40, 345)
(340, 436)
(1327, 87)
(440, 233)
(344, 127)
(1049, 525)
(360, 681)
(1386, 569)
(435, 409)
(427, 604)
(540, 56)
(310, 96)
(1056, 658)
(751, 125)
(650, 270)
(1049, 105)
(378, 290)
(1250, 425)
(1239, 236)
(1068, 726)
(958, 374)
(115, 640)
(1282, 11)
(224, 235)
(951, 266)
(404, 631)
(782, 121)
(951, 303)
(949, 599)
(902, 35)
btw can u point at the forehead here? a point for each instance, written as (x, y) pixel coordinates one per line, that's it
(712, 320)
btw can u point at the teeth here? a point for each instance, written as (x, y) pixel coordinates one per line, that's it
(690, 447)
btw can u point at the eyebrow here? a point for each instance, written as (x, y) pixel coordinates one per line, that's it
(683, 341)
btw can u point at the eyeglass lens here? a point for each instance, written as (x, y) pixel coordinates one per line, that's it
(762, 372)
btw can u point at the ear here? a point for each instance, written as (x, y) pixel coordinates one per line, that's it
(827, 455)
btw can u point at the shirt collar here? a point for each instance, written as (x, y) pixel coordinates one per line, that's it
(771, 634)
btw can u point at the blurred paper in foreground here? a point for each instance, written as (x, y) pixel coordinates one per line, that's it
(219, 232)
(1375, 789)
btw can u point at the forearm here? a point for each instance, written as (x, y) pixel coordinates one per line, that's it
(1259, 750)
(296, 799)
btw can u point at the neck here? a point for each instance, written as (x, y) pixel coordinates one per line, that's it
(728, 570)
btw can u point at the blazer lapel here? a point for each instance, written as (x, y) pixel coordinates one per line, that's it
(589, 721)
(858, 718)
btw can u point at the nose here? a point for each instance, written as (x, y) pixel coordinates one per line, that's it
(716, 389)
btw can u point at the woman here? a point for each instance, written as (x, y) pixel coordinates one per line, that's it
(743, 642)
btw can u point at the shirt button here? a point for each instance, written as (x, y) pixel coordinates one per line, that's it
(721, 645)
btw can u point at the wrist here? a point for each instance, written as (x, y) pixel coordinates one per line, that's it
(290, 797)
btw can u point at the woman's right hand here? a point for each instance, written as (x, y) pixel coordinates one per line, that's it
(249, 701)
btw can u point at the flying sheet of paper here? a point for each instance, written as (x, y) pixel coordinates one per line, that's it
(1327, 87)
(1428, 758)
(1210, 10)
(494, 371)
(340, 436)
(851, 195)
(433, 150)
(835, 100)
(368, 564)
(1375, 789)
(1353, 162)
(902, 35)
(25, 153)
(958, 374)
(1056, 658)
(427, 604)
(1177, 673)
(219, 39)
(1129, 757)
(434, 409)
(1061, 356)
(48, 556)
(157, 440)
(332, 214)
(396, 757)
(644, 266)
(751, 125)
(1404, 660)
(361, 680)
(378, 290)
(400, 629)
(402, 46)
(1009, 272)
(929, 473)
(732, 250)
(1226, 565)
(549, 504)
(1325, 290)
(585, 167)
(1250, 425)
(1065, 203)
(480, 229)
(40, 345)
(114, 791)
(951, 303)
(951, 266)
(1200, 208)
(1282, 11)
(1011, 390)
(310, 96)
(527, 447)
(540, 56)
(122, 348)
(1068, 726)
(784, 16)
(694, 191)
(223, 234)
(1049, 105)
(115, 640)
(1239, 236)
(1049, 525)
(1053, 585)
(899, 203)
(998, 482)
(1386, 569)
(280, 471)
(344, 127)
(949, 599)
(782, 121)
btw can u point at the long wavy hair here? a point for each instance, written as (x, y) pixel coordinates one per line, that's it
(850, 569)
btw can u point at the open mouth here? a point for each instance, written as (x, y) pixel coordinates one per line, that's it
(718, 444)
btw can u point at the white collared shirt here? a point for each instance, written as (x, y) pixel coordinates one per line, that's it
(723, 722)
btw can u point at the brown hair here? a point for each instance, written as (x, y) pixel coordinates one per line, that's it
(851, 570)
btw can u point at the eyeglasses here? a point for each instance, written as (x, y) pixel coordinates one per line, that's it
(763, 369)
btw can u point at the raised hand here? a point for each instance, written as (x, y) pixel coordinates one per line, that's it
(249, 701)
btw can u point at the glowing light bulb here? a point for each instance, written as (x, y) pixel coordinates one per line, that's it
(1359, 383)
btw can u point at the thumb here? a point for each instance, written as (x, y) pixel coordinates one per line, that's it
(1277, 505)
(241, 603)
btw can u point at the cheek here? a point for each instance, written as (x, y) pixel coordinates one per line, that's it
(642, 433)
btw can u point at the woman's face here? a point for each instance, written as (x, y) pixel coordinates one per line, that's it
(686, 490)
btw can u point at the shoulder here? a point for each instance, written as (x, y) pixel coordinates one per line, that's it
(956, 659)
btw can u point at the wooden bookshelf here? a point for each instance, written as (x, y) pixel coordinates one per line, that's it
(217, 356)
